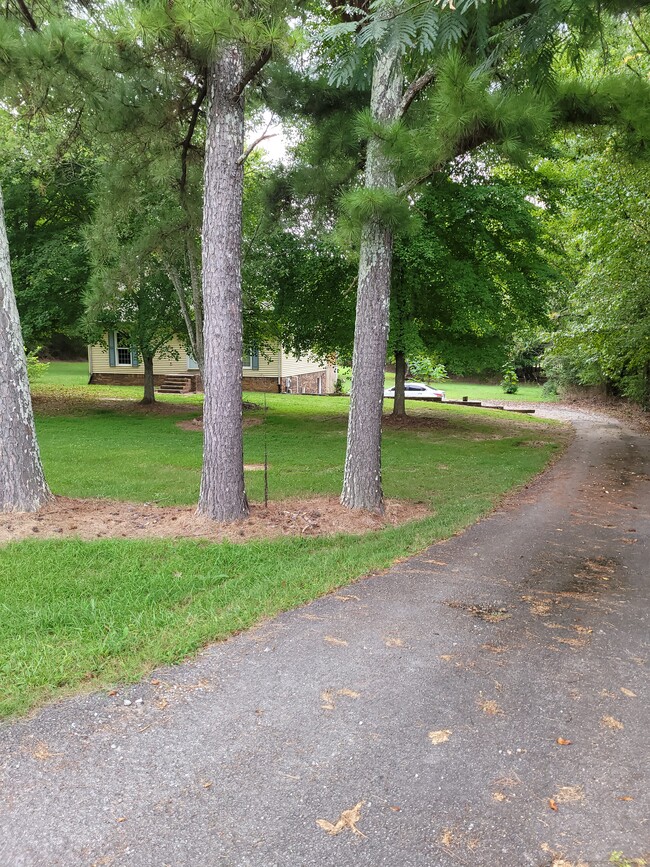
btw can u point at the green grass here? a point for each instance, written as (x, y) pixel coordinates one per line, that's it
(483, 391)
(64, 373)
(88, 614)
(68, 373)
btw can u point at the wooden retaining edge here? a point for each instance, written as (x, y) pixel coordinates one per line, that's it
(466, 403)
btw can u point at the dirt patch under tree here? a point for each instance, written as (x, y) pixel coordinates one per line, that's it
(113, 519)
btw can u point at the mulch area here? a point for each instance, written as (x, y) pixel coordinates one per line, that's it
(95, 519)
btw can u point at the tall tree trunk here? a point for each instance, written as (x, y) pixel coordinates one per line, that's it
(149, 388)
(223, 496)
(399, 406)
(362, 476)
(197, 303)
(22, 483)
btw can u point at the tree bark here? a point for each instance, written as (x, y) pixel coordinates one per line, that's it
(197, 303)
(22, 483)
(399, 406)
(222, 496)
(362, 487)
(149, 389)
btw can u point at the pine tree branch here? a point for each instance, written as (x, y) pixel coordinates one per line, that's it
(27, 15)
(464, 145)
(261, 61)
(414, 89)
(187, 141)
(249, 150)
(637, 34)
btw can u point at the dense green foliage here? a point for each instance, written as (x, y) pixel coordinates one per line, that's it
(602, 327)
(46, 209)
(475, 272)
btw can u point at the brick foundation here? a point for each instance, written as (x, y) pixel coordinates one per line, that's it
(261, 383)
(127, 379)
(308, 383)
(250, 383)
(304, 383)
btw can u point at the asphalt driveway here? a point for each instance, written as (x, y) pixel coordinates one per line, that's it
(484, 703)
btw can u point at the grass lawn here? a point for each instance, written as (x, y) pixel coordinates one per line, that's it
(483, 391)
(93, 613)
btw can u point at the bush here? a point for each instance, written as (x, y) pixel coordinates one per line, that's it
(35, 368)
(509, 382)
(426, 368)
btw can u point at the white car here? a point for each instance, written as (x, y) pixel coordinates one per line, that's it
(415, 390)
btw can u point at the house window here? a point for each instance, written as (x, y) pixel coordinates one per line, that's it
(123, 348)
(247, 360)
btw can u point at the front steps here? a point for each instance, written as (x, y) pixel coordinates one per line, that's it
(176, 384)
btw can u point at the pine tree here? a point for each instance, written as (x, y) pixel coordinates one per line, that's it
(22, 483)
(526, 41)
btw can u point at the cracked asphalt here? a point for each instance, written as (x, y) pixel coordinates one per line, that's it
(433, 695)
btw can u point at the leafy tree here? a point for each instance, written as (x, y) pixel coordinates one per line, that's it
(308, 285)
(141, 306)
(476, 271)
(47, 206)
(602, 324)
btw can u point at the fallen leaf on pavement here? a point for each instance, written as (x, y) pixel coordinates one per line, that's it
(155, 682)
(121, 819)
(563, 742)
(337, 642)
(328, 700)
(440, 736)
(447, 837)
(610, 723)
(572, 642)
(626, 798)
(350, 693)
(552, 804)
(347, 598)
(569, 794)
(112, 692)
(499, 796)
(562, 862)
(347, 819)
(490, 707)
(493, 648)
(628, 692)
(42, 752)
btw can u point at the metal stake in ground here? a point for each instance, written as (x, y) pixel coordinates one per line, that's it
(266, 461)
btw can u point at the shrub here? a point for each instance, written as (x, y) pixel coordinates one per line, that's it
(35, 368)
(426, 368)
(509, 382)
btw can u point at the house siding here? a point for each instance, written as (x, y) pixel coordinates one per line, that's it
(307, 375)
(269, 365)
(99, 362)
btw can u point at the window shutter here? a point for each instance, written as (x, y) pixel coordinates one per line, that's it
(255, 358)
(135, 361)
(111, 349)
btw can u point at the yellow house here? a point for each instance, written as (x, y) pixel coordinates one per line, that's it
(115, 363)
